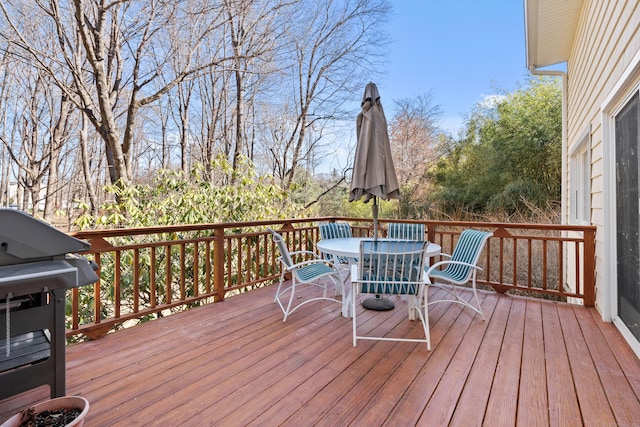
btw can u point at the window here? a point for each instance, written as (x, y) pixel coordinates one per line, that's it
(580, 180)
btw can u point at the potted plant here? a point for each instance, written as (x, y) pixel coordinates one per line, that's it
(68, 411)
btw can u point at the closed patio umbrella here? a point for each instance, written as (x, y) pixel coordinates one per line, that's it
(374, 175)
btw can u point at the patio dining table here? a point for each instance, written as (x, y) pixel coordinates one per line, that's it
(349, 247)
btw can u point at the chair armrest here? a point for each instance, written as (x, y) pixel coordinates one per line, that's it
(313, 261)
(439, 263)
(304, 253)
(297, 254)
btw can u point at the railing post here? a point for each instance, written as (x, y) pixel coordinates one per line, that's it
(431, 232)
(589, 268)
(218, 263)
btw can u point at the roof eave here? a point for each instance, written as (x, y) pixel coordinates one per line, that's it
(550, 27)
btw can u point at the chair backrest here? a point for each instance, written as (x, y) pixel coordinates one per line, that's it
(285, 256)
(334, 230)
(467, 250)
(391, 266)
(406, 231)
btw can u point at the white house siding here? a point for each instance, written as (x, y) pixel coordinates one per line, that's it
(606, 41)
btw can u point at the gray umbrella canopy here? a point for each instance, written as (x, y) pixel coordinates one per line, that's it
(374, 175)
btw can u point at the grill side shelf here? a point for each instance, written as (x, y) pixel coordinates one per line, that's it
(26, 349)
(24, 279)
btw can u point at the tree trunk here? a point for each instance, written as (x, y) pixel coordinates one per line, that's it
(86, 169)
(58, 138)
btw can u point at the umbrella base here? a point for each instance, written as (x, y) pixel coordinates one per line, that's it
(378, 304)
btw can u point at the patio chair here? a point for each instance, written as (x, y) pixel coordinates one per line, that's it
(461, 268)
(336, 230)
(314, 271)
(405, 231)
(392, 268)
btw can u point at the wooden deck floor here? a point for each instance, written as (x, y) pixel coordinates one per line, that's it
(531, 363)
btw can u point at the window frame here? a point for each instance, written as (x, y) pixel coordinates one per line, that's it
(580, 180)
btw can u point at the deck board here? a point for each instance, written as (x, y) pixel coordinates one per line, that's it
(410, 409)
(502, 406)
(614, 381)
(563, 402)
(623, 354)
(531, 362)
(444, 399)
(591, 395)
(533, 384)
(475, 393)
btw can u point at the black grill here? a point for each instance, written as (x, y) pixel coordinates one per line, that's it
(37, 265)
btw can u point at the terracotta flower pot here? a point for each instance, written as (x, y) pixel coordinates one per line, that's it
(66, 402)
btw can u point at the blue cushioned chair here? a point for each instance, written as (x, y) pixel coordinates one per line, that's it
(335, 230)
(392, 268)
(406, 231)
(461, 268)
(313, 271)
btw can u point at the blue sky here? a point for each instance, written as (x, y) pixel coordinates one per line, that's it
(460, 50)
(463, 51)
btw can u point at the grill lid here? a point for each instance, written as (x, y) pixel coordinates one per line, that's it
(26, 239)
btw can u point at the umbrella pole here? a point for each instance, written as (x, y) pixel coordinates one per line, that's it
(377, 303)
(374, 210)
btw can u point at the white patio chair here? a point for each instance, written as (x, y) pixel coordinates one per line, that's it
(392, 268)
(312, 271)
(461, 268)
(406, 231)
(336, 230)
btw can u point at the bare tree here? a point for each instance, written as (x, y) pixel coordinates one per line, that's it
(335, 48)
(36, 131)
(148, 81)
(214, 133)
(414, 135)
(59, 135)
(253, 28)
(126, 47)
(6, 82)
(413, 131)
(87, 170)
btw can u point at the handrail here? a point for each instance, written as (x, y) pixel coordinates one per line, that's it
(150, 272)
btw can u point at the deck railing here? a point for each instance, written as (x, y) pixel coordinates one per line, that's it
(149, 272)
